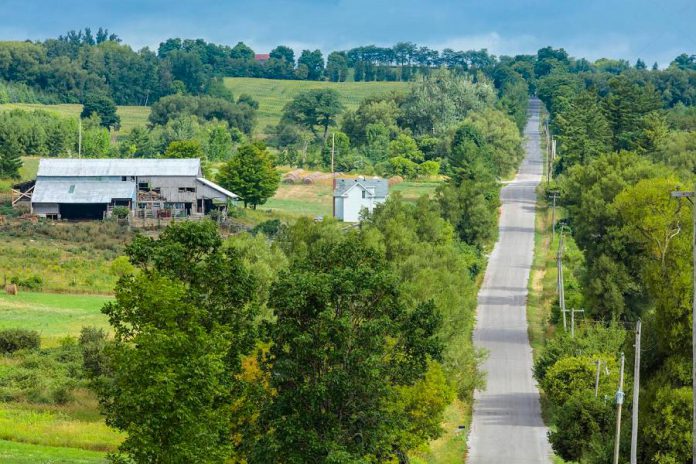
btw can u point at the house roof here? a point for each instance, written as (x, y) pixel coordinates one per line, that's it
(81, 192)
(262, 57)
(74, 167)
(217, 188)
(380, 186)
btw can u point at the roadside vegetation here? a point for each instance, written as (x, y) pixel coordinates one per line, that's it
(623, 146)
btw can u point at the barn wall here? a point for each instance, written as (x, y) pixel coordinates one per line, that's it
(169, 187)
(42, 209)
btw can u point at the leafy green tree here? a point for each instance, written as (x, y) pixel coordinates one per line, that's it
(185, 149)
(104, 107)
(314, 63)
(472, 208)
(405, 147)
(250, 174)
(180, 324)
(344, 342)
(337, 67)
(581, 419)
(219, 143)
(501, 138)
(315, 109)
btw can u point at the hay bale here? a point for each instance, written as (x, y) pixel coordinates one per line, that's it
(290, 178)
(395, 180)
(11, 289)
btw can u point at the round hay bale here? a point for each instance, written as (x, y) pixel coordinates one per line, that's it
(308, 180)
(12, 289)
(395, 180)
(290, 178)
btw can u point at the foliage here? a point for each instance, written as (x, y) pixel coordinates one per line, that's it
(184, 149)
(205, 108)
(342, 341)
(582, 418)
(12, 340)
(667, 432)
(102, 106)
(315, 110)
(250, 174)
(573, 374)
(180, 326)
(120, 212)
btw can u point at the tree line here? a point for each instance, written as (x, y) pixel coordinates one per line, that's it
(68, 68)
(624, 144)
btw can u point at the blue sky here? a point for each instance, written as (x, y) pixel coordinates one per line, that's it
(655, 30)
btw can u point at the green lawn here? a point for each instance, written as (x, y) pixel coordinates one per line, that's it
(53, 315)
(25, 453)
(131, 116)
(273, 94)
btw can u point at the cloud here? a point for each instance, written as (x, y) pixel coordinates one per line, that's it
(493, 42)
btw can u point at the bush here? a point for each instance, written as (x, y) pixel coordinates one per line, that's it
(577, 374)
(30, 282)
(120, 212)
(429, 168)
(270, 228)
(12, 340)
(582, 417)
(92, 343)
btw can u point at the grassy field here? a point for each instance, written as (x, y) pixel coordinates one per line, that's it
(316, 199)
(273, 94)
(54, 316)
(131, 116)
(30, 166)
(25, 453)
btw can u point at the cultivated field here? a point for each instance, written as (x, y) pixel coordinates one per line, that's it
(131, 116)
(273, 94)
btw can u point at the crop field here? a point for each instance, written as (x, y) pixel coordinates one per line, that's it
(131, 116)
(273, 94)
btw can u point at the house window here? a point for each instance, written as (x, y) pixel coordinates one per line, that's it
(364, 194)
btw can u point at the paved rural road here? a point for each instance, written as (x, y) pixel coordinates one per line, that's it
(507, 426)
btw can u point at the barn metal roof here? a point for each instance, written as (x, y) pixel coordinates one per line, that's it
(81, 192)
(217, 188)
(381, 186)
(74, 167)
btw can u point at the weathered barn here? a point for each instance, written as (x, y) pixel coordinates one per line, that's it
(91, 188)
(351, 196)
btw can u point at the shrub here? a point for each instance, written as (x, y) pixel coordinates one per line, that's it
(577, 374)
(429, 168)
(92, 343)
(400, 166)
(30, 282)
(270, 228)
(12, 340)
(120, 212)
(582, 417)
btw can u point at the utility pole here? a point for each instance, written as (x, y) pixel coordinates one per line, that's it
(79, 138)
(636, 393)
(572, 320)
(619, 403)
(596, 382)
(561, 284)
(554, 196)
(689, 196)
(333, 173)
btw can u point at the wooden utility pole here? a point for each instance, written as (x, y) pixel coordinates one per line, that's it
(554, 196)
(572, 320)
(636, 394)
(79, 137)
(560, 283)
(689, 196)
(333, 174)
(619, 403)
(596, 382)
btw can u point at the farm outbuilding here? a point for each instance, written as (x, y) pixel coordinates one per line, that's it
(352, 196)
(91, 188)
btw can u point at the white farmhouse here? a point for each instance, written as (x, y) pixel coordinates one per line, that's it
(351, 196)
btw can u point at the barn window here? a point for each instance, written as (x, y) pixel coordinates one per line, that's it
(71, 189)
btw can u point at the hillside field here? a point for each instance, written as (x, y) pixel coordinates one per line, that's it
(273, 94)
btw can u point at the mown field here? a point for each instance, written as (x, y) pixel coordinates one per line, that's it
(273, 94)
(316, 199)
(131, 116)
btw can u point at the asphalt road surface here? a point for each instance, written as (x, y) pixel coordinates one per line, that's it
(507, 426)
